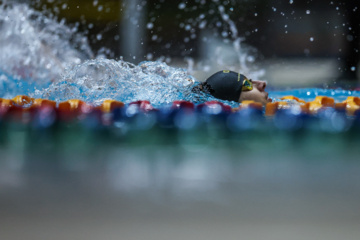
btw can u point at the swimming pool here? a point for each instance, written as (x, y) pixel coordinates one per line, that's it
(81, 157)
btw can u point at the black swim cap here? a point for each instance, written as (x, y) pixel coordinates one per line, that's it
(225, 85)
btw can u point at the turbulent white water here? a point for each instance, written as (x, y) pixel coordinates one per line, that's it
(99, 79)
(43, 58)
(37, 48)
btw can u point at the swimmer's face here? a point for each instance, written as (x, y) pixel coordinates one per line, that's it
(257, 94)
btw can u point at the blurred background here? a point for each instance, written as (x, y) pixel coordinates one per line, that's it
(74, 182)
(297, 43)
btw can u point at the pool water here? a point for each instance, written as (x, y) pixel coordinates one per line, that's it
(309, 94)
(151, 170)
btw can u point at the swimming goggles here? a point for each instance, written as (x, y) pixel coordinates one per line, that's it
(247, 85)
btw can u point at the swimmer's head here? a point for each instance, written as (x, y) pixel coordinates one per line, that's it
(232, 86)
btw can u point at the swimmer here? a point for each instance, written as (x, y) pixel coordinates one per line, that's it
(232, 86)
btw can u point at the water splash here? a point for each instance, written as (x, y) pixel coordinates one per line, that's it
(245, 58)
(224, 50)
(99, 79)
(36, 48)
(45, 58)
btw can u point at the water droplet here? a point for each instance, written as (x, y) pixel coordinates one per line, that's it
(274, 9)
(231, 9)
(202, 24)
(353, 68)
(255, 14)
(150, 25)
(225, 17)
(99, 37)
(311, 39)
(308, 12)
(182, 6)
(291, 1)
(350, 38)
(250, 59)
(224, 34)
(149, 56)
